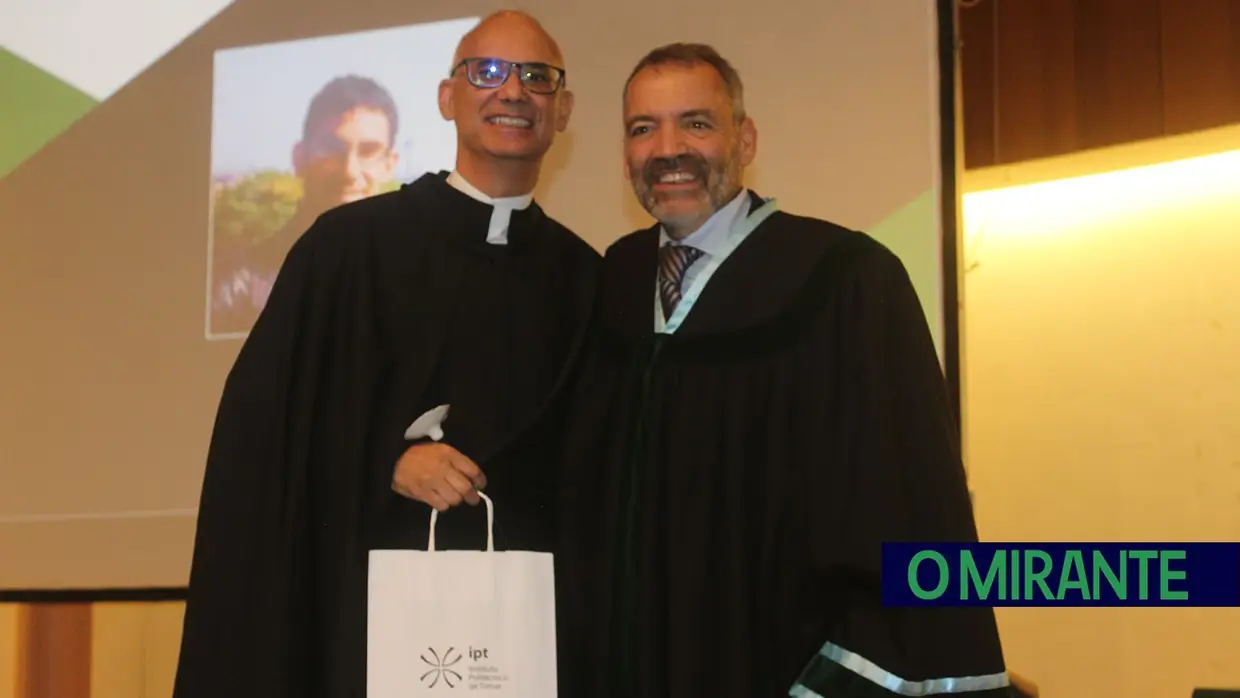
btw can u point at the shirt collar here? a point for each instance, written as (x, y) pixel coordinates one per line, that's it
(711, 237)
(510, 203)
(502, 208)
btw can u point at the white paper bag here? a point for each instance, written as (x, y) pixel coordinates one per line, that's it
(445, 623)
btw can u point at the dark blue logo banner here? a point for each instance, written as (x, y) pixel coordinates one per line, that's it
(1061, 574)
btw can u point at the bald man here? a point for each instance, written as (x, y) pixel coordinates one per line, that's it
(458, 290)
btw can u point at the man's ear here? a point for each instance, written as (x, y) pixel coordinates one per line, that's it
(749, 141)
(446, 108)
(566, 109)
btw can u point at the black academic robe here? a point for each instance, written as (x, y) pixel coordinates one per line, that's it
(727, 488)
(383, 309)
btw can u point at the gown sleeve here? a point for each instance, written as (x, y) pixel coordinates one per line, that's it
(899, 477)
(244, 633)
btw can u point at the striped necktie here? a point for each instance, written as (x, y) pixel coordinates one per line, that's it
(674, 261)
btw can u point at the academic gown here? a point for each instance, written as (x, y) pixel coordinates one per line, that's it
(727, 487)
(384, 308)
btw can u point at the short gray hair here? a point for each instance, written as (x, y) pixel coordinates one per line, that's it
(694, 54)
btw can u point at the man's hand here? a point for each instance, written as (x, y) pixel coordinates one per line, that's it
(438, 475)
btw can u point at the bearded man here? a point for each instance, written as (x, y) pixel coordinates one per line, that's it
(761, 407)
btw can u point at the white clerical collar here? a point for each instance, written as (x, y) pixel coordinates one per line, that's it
(497, 233)
(713, 234)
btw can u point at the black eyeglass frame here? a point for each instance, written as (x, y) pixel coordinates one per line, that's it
(508, 67)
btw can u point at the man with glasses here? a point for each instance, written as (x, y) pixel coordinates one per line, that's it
(455, 294)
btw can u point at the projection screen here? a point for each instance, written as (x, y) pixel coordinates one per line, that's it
(138, 171)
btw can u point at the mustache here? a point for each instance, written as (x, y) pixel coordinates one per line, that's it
(657, 167)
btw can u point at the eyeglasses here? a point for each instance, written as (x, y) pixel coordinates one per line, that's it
(490, 73)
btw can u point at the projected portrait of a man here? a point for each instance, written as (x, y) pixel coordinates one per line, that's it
(346, 149)
(345, 153)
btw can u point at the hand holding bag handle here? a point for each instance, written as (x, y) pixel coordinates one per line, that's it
(430, 546)
(430, 425)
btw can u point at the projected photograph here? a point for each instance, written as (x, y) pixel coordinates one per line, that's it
(304, 126)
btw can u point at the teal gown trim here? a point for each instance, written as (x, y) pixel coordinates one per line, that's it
(836, 672)
(738, 234)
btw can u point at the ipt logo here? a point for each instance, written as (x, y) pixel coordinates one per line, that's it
(441, 668)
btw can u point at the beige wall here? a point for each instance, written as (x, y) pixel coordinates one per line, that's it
(1102, 369)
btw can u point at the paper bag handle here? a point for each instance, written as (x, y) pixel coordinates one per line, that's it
(430, 546)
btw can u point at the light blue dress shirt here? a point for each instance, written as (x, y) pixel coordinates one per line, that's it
(711, 239)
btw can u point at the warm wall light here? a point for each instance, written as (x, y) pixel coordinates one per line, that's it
(1045, 208)
(1101, 316)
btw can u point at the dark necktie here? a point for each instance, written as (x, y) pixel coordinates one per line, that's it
(674, 261)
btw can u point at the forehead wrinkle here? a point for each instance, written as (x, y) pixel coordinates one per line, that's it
(664, 98)
(674, 115)
(659, 80)
(714, 108)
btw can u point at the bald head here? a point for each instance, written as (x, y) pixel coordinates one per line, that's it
(505, 22)
(508, 96)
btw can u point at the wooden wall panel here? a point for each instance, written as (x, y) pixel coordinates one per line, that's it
(116, 659)
(1035, 79)
(10, 628)
(1200, 45)
(54, 649)
(1118, 72)
(89, 650)
(977, 79)
(1050, 77)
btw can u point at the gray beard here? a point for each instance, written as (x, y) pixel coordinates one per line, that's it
(722, 185)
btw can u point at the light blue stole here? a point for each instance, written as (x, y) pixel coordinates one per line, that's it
(736, 235)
